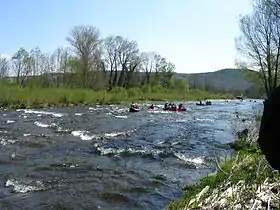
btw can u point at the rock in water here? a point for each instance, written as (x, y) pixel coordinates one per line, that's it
(269, 134)
(243, 134)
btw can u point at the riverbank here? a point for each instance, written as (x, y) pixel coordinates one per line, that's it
(244, 182)
(13, 97)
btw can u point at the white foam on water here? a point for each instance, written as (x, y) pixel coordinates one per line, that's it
(122, 133)
(95, 108)
(60, 129)
(121, 116)
(159, 111)
(23, 116)
(160, 106)
(5, 142)
(115, 151)
(10, 121)
(83, 135)
(73, 166)
(24, 187)
(185, 120)
(195, 160)
(79, 114)
(120, 110)
(114, 134)
(161, 142)
(201, 119)
(3, 131)
(39, 124)
(30, 111)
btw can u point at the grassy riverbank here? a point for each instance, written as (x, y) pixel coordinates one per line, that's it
(18, 97)
(244, 182)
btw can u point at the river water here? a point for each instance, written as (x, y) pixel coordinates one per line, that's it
(104, 157)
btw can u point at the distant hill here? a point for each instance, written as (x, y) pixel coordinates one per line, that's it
(234, 81)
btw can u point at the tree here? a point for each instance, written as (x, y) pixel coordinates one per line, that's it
(167, 70)
(37, 56)
(110, 52)
(149, 61)
(23, 65)
(273, 6)
(86, 43)
(4, 66)
(128, 59)
(133, 69)
(260, 42)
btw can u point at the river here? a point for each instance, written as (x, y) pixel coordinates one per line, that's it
(103, 157)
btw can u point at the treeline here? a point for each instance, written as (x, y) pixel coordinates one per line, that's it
(93, 62)
(259, 42)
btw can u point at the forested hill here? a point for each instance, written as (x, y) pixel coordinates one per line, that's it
(235, 81)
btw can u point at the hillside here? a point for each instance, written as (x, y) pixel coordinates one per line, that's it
(224, 81)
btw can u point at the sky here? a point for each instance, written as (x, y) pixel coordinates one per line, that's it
(197, 36)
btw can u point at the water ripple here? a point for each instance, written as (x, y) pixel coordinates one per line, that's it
(103, 157)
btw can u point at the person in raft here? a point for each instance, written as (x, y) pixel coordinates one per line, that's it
(134, 105)
(174, 106)
(151, 106)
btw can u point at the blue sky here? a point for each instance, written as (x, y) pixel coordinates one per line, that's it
(198, 36)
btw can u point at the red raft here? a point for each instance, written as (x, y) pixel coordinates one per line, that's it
(182, 109)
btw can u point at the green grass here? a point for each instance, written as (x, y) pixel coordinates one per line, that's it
(259, 117)
(35, 97)
(249, 166)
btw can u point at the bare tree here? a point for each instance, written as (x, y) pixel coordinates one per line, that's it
(134, 67)
(127, 52)
(272, 6)
(260, 42)
(149, 61)
(63, 67)
(37, 56)
(86, 43)
(110, 52)
(4, 67)
(86, 65)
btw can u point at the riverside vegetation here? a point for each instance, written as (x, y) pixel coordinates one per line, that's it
(30, 97)
(244, 182)
(92, 70)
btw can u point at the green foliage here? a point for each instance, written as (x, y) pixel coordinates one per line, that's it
(248, 163)
(255, 77)
(13, 96)
(259, 117)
